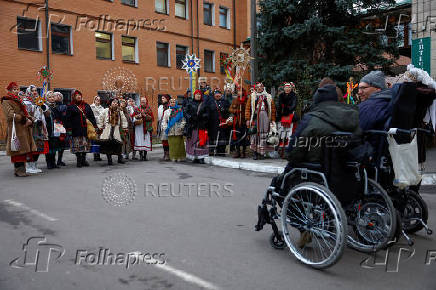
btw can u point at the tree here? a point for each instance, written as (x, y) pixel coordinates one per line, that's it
(305, 40)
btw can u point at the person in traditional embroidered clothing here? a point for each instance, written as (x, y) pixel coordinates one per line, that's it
(260, 114)
(54, 129)
(239, 135)
(40, 134)
(173, 123)
(287, 104)
(97, 109)
(125, 131)
(196, 141)
(76, 126)
(62, 110)
(143, 120)
(19, 119)
(111, 122)
(131, 107)
(161, 133)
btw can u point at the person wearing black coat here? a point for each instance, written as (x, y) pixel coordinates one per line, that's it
(217, 110)
(196, 126)
(62, 111)
(77, 114)
(285, 110)
(52, 116)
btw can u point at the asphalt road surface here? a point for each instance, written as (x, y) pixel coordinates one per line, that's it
(187, 227)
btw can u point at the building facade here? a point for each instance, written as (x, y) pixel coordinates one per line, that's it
(424, 35)
(146, 38)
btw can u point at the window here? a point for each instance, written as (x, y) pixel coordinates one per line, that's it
(129, 49)
(29, 34)
(105, 96)
(163, 55)
(181, 8)
(224, 18)
(61, 39)
(181, 52)
(208, 13)
(223, 59)
(103, 44)
(209, 61)
(160, 6)
(129, 2)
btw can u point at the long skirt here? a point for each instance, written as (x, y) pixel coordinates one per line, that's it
(258, 140)
(110, 146)
(127, 146)
(142, 141)
(177, 147)
(193, 150)
(80, 145)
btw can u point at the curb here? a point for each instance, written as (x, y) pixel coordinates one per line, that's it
(427, 178)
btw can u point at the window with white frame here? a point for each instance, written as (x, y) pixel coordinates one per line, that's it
(224, 17)
(181, 8)
(129, 49)
(29, 34)
(181, 52)
(163, 54)
(61, 40)
(208, 13)
(132, 3)
(209, 60)
(161, 6)
(103, 45)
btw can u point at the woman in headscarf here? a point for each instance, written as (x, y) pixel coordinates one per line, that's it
(40, 135)
(161, 134)
(143, 120)
(52, 119)
(77, 114)
(124, 130)
(111, 123)
(62, 111)
(173, 124)
(196, 144)
(239, 127)
(97, 109)
(17, 116)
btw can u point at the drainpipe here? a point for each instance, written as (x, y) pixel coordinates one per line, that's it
(47, 26)
(234, 24)
(192, 27)
(253, 41)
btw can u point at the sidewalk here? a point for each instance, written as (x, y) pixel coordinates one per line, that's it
(276, 166)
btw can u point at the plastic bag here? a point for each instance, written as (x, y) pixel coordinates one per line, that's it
(15, 143)
(405, 162)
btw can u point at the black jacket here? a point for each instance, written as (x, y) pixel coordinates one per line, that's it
(287, 105)
(211, 110)
(75, 121)
(194, 118)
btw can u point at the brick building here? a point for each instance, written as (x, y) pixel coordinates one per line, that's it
(148, 38)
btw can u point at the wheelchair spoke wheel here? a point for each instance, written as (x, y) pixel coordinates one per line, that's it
(414, 211)
(313, 222)
(373, 220)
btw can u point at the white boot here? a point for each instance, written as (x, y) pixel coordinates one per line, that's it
(35, 167)
(29, 168)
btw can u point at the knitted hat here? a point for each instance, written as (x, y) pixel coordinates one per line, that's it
(375, 79)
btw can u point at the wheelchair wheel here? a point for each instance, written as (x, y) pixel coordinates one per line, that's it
(414, 209)
(313, 225)
(373, 223)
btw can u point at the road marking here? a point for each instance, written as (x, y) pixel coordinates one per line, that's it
(31, 210)
(184, 275)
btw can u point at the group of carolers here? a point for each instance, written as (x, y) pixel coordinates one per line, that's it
(46, 126)
(209, 120)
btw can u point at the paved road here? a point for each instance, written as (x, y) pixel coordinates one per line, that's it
(205, 235)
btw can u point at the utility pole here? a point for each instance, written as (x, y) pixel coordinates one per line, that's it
(253, 43)
(47, 26)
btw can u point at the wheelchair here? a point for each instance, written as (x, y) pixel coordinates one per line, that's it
(321, 207)
(412, 210)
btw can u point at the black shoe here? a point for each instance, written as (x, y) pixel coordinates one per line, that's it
(195, 161)
(79, 160)
(109, 160)
(120, 160)
(201, 161)
(60, 163)
(97, 157)
(84, 162)
(256, 156)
